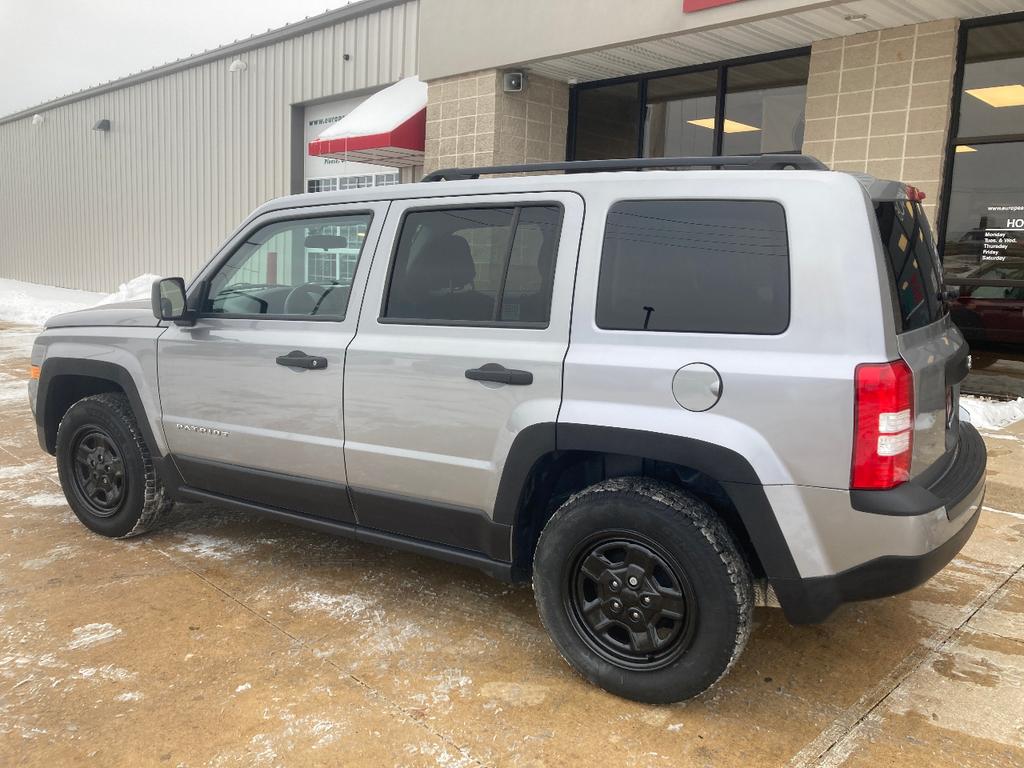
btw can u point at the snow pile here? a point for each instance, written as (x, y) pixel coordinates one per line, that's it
(32, 304)
(993, 414)
(137, 288)
(383, 111)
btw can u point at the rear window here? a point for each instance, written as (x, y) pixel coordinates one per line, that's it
(701, 266)
(913, 263)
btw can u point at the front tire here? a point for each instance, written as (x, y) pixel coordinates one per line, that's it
(106, 470)
(643, 590)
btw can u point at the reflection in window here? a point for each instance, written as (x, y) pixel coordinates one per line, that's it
(681, 115)
(985, 223)
(678, 115)
(607, 122)
(703, 266)
(764, 107)
(475, 265)
(992, 103)
(292, 268)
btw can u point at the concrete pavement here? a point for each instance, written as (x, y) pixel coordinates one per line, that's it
(227, 640)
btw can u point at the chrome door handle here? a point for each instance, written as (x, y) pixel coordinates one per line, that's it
(500, 374)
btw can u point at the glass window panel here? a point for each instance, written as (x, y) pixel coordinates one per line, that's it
(451, 265)
(680, 117)
(992, 102)
(607, 121)
(764, 107)
(291, 269)
(985, 225)
(704, 266)
(913, 263)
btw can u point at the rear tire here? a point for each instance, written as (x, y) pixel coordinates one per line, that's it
(643, 590)
(106, 470)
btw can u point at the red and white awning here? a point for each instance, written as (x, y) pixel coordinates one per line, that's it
(389, 128)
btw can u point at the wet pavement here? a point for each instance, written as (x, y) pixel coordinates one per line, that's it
(226, 640)
(995, 372)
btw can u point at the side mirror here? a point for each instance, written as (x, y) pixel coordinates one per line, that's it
(169, 302)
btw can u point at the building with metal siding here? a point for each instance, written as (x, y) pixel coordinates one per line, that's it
(192, 148)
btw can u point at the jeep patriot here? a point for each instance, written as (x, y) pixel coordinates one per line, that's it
(662, 390)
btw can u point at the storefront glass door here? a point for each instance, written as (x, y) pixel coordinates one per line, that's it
(984, 221)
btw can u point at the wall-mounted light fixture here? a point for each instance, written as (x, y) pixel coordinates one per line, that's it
(102, 125)
(37, 119)
(238, 66)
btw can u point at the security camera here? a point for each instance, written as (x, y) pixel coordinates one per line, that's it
(513, 82)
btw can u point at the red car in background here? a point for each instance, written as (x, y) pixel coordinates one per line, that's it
(991, 313)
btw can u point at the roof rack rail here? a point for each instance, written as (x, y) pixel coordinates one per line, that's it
(776, 162)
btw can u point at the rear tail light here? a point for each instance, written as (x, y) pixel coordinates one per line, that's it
(883, 439)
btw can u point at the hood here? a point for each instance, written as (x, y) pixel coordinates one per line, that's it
(126, 313)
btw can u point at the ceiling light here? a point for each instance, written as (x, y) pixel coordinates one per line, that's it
(730, 126)
(238, 66)
(37, 119)
(1000, 95)
(964, 148)
(855, 17)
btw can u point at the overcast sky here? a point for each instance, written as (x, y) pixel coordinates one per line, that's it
(49, 48)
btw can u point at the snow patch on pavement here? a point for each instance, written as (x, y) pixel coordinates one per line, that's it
(212, 547)
(992, 415)
(92, 634)
(109, 673)
(335, 606)
(45, 500)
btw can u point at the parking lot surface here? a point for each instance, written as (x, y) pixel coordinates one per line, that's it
(226, 640)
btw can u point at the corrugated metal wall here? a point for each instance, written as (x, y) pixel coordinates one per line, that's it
(189, 154)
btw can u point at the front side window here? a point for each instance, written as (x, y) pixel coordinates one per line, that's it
(475, 265)
(702, 266)
(292, 269)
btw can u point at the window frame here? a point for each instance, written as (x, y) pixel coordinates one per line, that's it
(516, 205)
(240, 239)
(789, 266)
(722, 68)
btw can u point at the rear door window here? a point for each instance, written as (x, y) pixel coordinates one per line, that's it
(701, 266)
(488, 265)
(912, 261)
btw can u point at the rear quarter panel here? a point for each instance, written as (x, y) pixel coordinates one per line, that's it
(787, 399)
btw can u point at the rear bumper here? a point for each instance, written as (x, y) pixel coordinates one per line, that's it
(935, 520)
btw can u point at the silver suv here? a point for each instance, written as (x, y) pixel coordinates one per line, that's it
(662, 395)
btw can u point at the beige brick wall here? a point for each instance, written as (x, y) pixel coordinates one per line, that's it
(879, 103)
(471, 122)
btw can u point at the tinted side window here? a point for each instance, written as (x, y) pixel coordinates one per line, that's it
(913, 265)
(301, 268)
(704, 266)
(475, 265)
